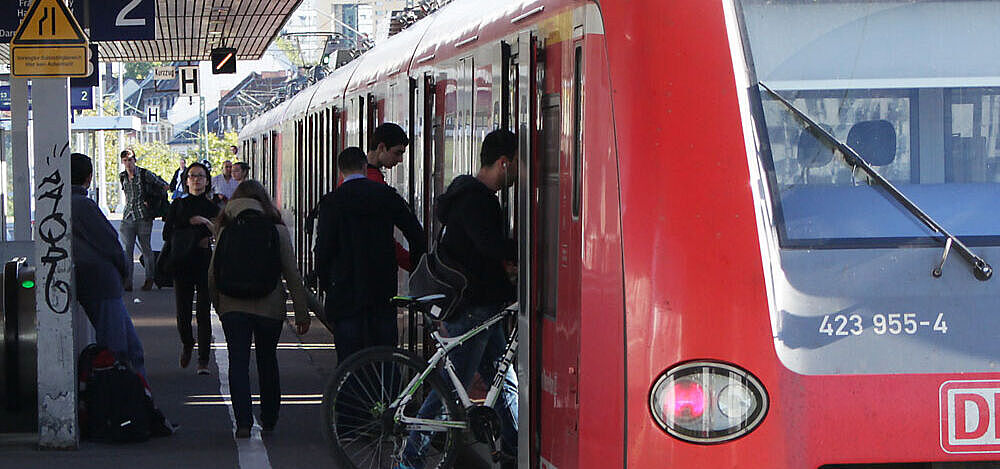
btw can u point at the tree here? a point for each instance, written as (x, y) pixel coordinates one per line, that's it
(139, 70)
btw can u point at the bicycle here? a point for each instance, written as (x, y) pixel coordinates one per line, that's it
(370, 403)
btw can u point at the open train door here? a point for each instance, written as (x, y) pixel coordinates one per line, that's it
(523, 61)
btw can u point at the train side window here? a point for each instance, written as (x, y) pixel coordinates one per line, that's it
(577, 129)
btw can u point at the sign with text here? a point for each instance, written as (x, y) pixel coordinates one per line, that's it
(11, 14)
(122, 20)
(165, 72)
(153, 114)
(49, 43)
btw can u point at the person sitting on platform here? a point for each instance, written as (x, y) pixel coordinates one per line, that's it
(100, 266)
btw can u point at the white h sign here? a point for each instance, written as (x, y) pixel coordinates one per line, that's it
(153, 114)
(189, 81)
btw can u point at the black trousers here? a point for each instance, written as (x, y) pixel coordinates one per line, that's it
(240, 329)
(354, 333)
(184, 289)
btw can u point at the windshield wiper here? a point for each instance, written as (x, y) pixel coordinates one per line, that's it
(980, 268)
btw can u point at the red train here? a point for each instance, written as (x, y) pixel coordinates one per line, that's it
(704, 282)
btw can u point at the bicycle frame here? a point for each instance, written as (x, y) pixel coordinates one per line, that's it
(445, 345)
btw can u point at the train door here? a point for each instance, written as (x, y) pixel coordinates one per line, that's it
(550, 139)
(524, 111)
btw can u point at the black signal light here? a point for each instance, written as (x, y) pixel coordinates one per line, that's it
(223, 60)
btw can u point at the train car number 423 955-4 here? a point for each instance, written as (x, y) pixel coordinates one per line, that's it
(881, 324)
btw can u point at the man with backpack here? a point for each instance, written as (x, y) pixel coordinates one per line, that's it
(474, 239)
(356, 258)
(145, 199)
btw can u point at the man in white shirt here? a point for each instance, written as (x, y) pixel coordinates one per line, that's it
(225, 184)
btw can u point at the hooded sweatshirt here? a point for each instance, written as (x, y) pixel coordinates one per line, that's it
(97, 255)
(272, 305)
(355, 248)
(474, 238)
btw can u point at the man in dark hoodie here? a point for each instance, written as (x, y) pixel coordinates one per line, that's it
(100, 266)
(474, 238)
(356, 256)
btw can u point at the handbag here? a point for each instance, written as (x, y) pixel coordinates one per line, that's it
(177, 250)
(436, 274)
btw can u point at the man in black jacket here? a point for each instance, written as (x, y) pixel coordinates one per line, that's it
(474, 238)
(356, 256)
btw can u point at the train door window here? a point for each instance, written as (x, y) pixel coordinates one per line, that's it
(430, 127)
(273, 152)
(466, 107)
(361, 122)
(371, 119)
(548, 204)
(447, 89)
(416, 145)
(577, 128)
(482, 101)
(335, 138)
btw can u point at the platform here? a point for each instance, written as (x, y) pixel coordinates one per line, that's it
(198, 405)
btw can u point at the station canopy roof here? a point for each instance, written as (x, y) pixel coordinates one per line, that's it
(190, 29)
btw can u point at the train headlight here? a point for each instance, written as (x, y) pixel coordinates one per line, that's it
(706, 402)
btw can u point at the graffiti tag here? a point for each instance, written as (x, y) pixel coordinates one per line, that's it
(52, 231)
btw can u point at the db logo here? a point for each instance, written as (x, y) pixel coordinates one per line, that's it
(969, 416)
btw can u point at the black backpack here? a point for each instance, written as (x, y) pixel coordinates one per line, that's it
(152, 193)
(116, 406)
(439, 274)
(248, 257)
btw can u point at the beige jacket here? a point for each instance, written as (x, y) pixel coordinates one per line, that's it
(272, 305)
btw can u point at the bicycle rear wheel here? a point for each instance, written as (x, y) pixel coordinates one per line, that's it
(356, 416)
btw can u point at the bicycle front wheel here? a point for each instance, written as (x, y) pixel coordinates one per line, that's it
(357, 419)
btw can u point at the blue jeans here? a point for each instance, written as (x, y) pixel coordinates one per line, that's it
(115, 331)
(141, 229)
(482, 353)
(240, 328)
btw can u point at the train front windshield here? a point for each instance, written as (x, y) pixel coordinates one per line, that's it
(926, 74)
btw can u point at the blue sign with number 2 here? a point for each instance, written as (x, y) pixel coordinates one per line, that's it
(122, 20)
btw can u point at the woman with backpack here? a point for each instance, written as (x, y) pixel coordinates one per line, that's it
(254, 252)
(187, 231)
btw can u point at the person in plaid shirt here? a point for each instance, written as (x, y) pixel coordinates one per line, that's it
(137, 221)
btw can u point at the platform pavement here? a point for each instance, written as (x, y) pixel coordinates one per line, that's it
(205, 439)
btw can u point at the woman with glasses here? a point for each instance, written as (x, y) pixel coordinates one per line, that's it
(188, 230)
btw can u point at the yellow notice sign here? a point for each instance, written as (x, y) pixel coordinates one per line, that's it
(49, 43)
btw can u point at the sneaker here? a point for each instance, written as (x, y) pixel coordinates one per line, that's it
(243, 432)
(186, 356)
(203, 369)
